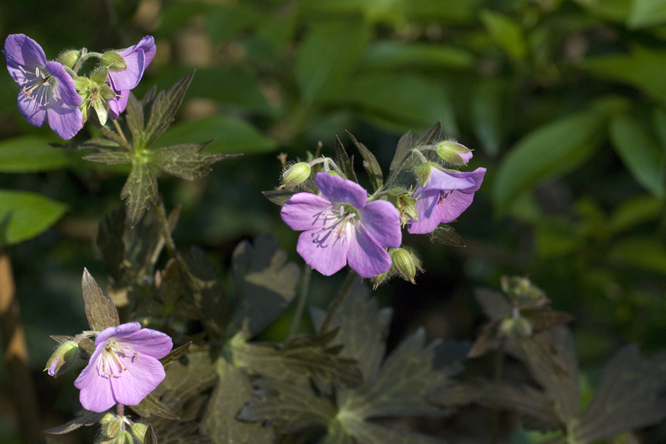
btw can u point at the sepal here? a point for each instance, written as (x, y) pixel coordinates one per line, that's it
(62, 359)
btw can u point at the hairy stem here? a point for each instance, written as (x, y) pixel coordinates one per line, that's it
(339, 299)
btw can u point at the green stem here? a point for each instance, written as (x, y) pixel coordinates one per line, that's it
(120, 131)
(302, 297)
(339, 299)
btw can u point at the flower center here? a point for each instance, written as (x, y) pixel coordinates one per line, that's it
(32, 84)
(336, 223)
(109, 362)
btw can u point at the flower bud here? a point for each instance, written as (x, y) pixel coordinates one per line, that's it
(69, 58)
(453, 152)
(406, 263)
(62, 359)
(139, 431)
(523, 292)
(519, 326)
(107, 418)
(124, 438)
(112, 429)
(113, 60)
(296, 175)
(406, 205)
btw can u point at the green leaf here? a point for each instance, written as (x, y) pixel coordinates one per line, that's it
(100, 311)
(343, 161)
(363, 329)
(642, 68)
(368, 433)
(174, 355)
(404, 100)
(29, 154)
(639, 153)
(507, 33)
(446, 235)
(403, 383)
(298, 360)
(369, 163)
(208, 294)
(134, 116)
(230, 133)
(328, 55)
(163, 109)
(264, 283)
(110, 157)
(87, 419)
(640, 251)
(522, 399)
(139, 192)
(629, 397)
(292, 406)
(614, 10)
(152, 406)
(549, 151)
(646, 13)
(388, 54)
(186, 161)
(230, 395)
(635, 211)
(24, 215)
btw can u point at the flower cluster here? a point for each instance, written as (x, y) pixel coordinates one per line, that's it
(342, 225)
(55, 90)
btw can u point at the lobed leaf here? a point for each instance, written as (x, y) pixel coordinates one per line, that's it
(292, 406)
(298, 360)
(343, 161)
(100, 311)
(264, 283)
(230, 395)
(446, 235)
(174, 355)
(28, 154)
(110, 157)
(87, 419)
(139, 192)
(186, 161)
(152, 406)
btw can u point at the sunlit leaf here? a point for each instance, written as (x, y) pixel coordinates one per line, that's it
(100, 311)
(646, 13)
(24, 215)
(28, 154)
(549, 151)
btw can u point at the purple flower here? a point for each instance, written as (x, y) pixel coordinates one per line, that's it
(446, 195)
(124, 368)
(46, 88)
(121, 81)
(340, 227)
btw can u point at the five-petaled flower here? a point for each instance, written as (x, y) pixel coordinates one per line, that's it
(124, 367)
(46, 88)
(122, 80)
(446, 195)
(341, 227)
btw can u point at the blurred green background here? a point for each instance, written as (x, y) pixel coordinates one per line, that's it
(563, 101)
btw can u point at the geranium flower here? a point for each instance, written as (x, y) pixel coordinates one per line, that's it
(124, 367)
(446, 195)
(46, 88)
(341, 227)
(122, 80)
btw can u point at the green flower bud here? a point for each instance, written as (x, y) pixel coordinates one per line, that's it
(406, 205)
(296, 175)
(113, 60)
(62, 359)
(139, 431)
(69, 58)
(523, 292)
(124, 438)
(406, 263)
(107, 418)
(519, 326)
(453, 152)
(112, 428)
